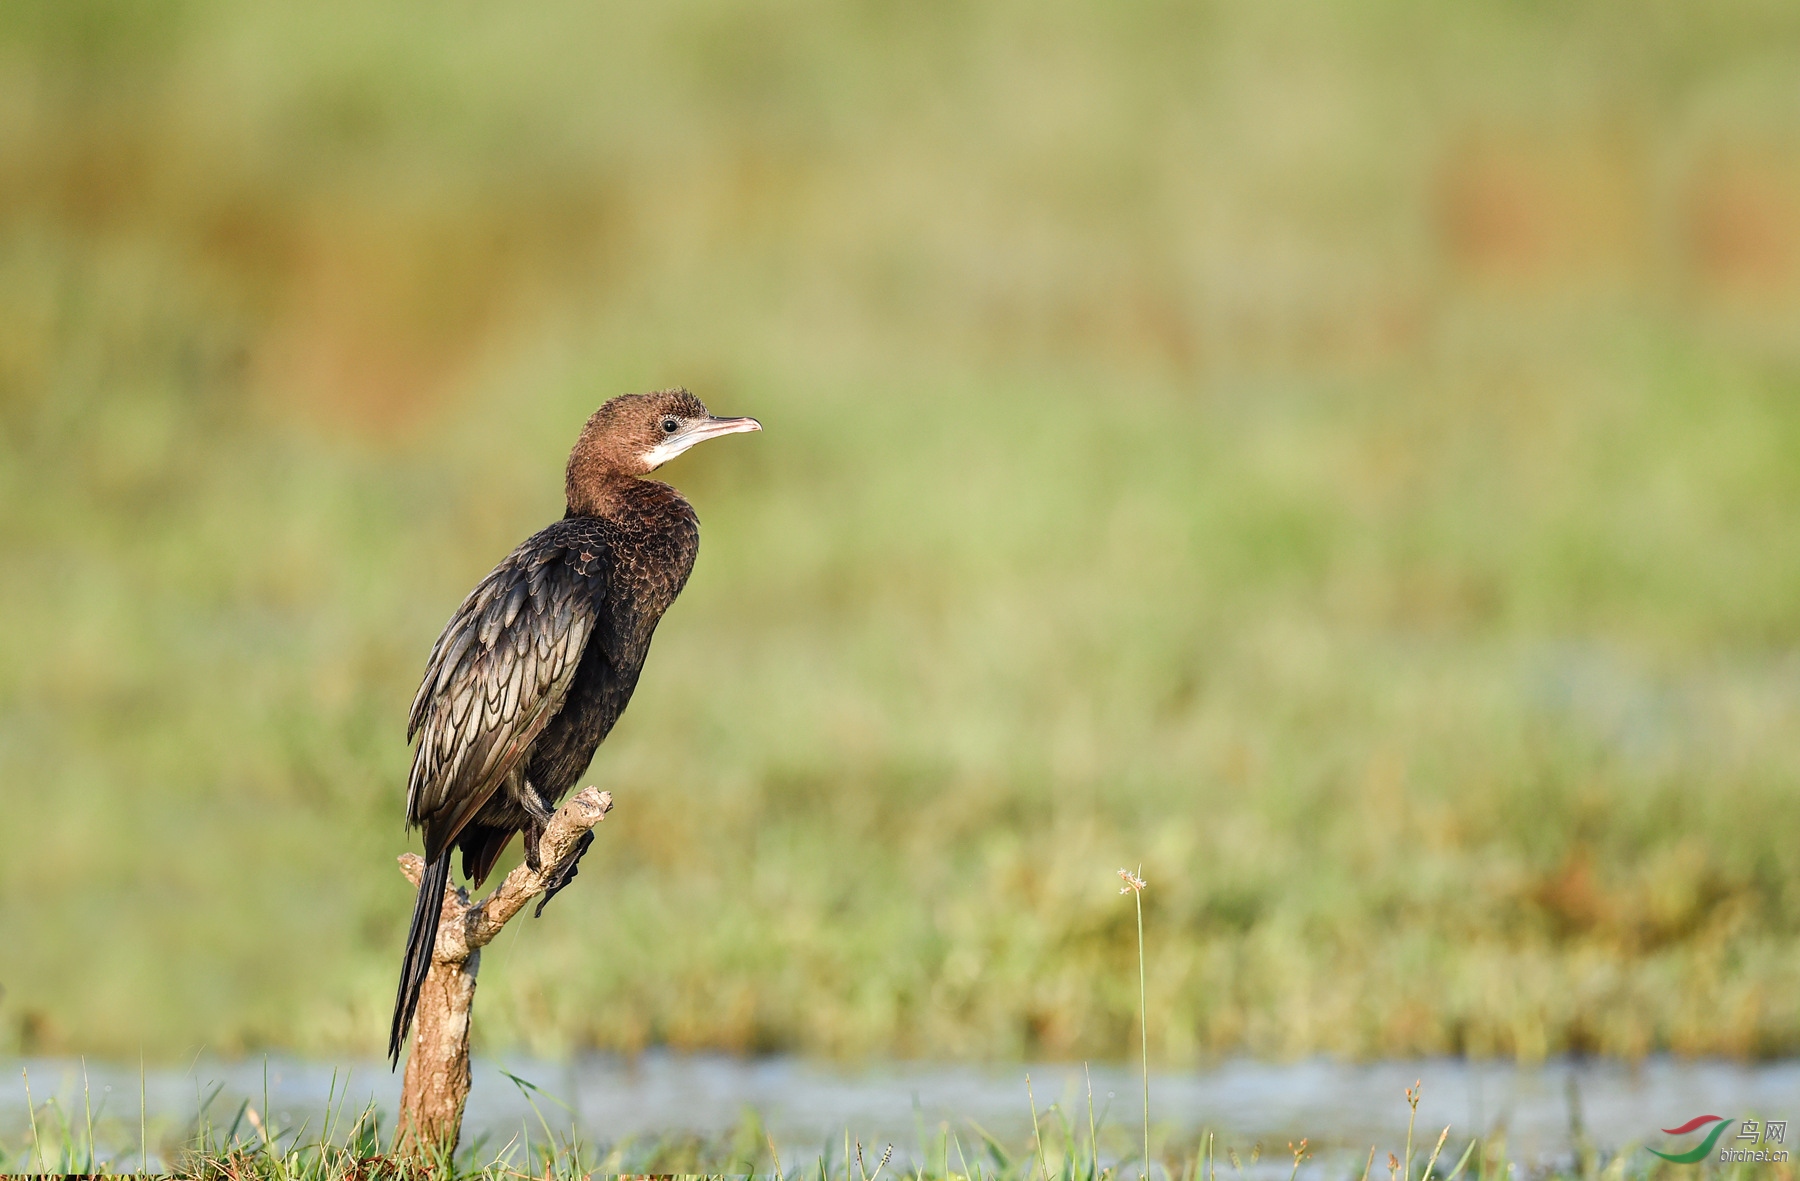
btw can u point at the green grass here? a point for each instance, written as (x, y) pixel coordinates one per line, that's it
(1339, 457)
(351, 1145)
(1065, 1145)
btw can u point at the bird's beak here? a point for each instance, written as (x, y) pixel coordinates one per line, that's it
(714, 427)
(697, 433)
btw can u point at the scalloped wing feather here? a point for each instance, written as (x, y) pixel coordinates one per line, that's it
(496, 677)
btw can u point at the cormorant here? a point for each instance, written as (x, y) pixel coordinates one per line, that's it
(537, 664)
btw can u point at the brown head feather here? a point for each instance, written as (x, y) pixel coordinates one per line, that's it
(617, 443)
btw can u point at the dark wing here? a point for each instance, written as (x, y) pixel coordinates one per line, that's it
(498, 675)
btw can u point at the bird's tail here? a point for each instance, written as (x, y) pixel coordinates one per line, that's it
(421, 937)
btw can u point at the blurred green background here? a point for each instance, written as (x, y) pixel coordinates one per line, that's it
(1344, 458)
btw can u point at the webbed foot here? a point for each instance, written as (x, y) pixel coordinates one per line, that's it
(539, 816)
(564, 872)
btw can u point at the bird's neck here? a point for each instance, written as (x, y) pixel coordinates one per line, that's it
(614, 495)
(596, 493)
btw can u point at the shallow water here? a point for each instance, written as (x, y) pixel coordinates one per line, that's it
(808, 1106)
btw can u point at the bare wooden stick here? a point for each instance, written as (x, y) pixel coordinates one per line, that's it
(436, 1087)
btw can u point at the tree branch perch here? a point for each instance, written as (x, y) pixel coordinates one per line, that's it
(436, 1088)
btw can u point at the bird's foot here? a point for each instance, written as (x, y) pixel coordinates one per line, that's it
(564, 872)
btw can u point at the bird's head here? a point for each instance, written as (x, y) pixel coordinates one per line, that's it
(634, 434)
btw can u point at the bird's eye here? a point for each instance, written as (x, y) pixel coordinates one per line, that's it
(671, 425)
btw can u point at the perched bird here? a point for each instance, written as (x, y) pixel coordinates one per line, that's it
(540, 660)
